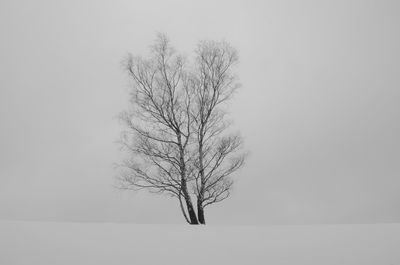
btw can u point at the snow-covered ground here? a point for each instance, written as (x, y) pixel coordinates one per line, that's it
(46, 243)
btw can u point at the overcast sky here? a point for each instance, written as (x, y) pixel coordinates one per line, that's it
(319, 107)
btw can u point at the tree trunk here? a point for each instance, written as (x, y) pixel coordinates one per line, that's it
(184, 189)
(189, 205)
(200, 196)
(200, 212)
(192, 214)
(183, 208)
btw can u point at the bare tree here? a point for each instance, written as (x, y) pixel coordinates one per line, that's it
(175, 126)
(218, 154)
(159, 126)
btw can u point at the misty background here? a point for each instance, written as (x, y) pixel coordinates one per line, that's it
(319, 107)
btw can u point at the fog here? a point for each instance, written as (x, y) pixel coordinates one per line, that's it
(318, 107)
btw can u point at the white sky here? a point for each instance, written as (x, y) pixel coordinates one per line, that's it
(318, 108)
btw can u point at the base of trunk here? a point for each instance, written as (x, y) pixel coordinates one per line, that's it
(200, 215)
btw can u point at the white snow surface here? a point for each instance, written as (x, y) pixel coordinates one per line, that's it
(53, 243)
